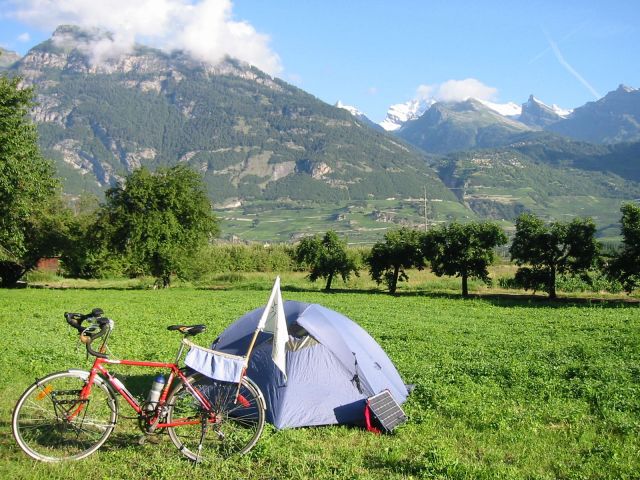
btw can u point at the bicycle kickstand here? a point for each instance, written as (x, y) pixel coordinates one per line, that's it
(203, 433)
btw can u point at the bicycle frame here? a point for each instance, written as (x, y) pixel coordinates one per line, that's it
(99, 367)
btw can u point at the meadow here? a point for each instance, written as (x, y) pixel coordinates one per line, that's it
(505, 387)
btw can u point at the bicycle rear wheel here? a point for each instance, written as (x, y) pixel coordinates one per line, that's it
(228, 427)
(52, 423)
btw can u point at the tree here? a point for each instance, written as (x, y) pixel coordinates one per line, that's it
(625, 266)
(158, 220)
(31, 215)
(326, 257)
(463, 250)
(544, 251)
(389, 260)
(87, 253)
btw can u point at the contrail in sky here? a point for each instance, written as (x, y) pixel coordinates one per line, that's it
(566, 37)
(570, 69)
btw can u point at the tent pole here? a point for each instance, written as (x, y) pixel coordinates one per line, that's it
(251, 345)
(246, 359)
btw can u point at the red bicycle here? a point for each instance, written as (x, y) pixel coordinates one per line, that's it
(68, 415)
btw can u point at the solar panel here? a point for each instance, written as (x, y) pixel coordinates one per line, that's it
(386, 411)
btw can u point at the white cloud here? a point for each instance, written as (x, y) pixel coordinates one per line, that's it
(455, 91)
(99, 47)
(204, 28)
(24, 37)
(425, 92)
(372, 90)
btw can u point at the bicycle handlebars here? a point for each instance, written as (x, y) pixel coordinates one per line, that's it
(86, 335)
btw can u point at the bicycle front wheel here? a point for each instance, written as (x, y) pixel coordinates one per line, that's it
(224, 425)
(51, 422)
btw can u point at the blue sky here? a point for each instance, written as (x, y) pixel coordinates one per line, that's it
(375, 53)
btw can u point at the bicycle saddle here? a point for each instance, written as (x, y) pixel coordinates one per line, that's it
(191, 330)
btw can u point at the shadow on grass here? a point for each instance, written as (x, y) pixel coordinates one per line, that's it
(530, 300)
(498, 299)
(45, 286)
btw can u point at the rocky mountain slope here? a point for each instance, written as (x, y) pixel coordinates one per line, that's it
(7, 58)
(251, 135)
(612, 119)
(448, 127)
(544, 173)
(539, 115)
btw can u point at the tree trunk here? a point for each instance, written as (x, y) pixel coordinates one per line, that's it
(465, 285)
(551, 287)
(329, 280)
(394, 279)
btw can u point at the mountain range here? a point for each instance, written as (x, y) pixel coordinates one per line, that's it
(260, 141)
(448, 127)
(442, 127)
(251, 135)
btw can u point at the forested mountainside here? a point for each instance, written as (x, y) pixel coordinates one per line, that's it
(251, 135)
(544, 173)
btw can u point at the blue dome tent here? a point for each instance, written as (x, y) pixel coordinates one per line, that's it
(332, 364)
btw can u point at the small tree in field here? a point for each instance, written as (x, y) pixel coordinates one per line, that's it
(158, 220)
(543, 251)
(326, 257)
(389, 260)
(463, 250)
(625, 267)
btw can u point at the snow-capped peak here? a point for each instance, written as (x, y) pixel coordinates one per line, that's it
(561, 112)
(626, 88)
(400, 113)
(505, 109)
(352, 110)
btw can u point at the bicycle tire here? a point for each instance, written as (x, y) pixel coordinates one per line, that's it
(232, 427)
(39, 422)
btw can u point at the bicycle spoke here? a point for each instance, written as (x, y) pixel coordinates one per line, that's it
(233, 426)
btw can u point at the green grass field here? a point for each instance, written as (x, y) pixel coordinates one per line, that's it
(505, 388)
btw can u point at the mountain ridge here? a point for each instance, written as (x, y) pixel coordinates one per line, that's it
(250, 134)
(613, 118)
(456, 126)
